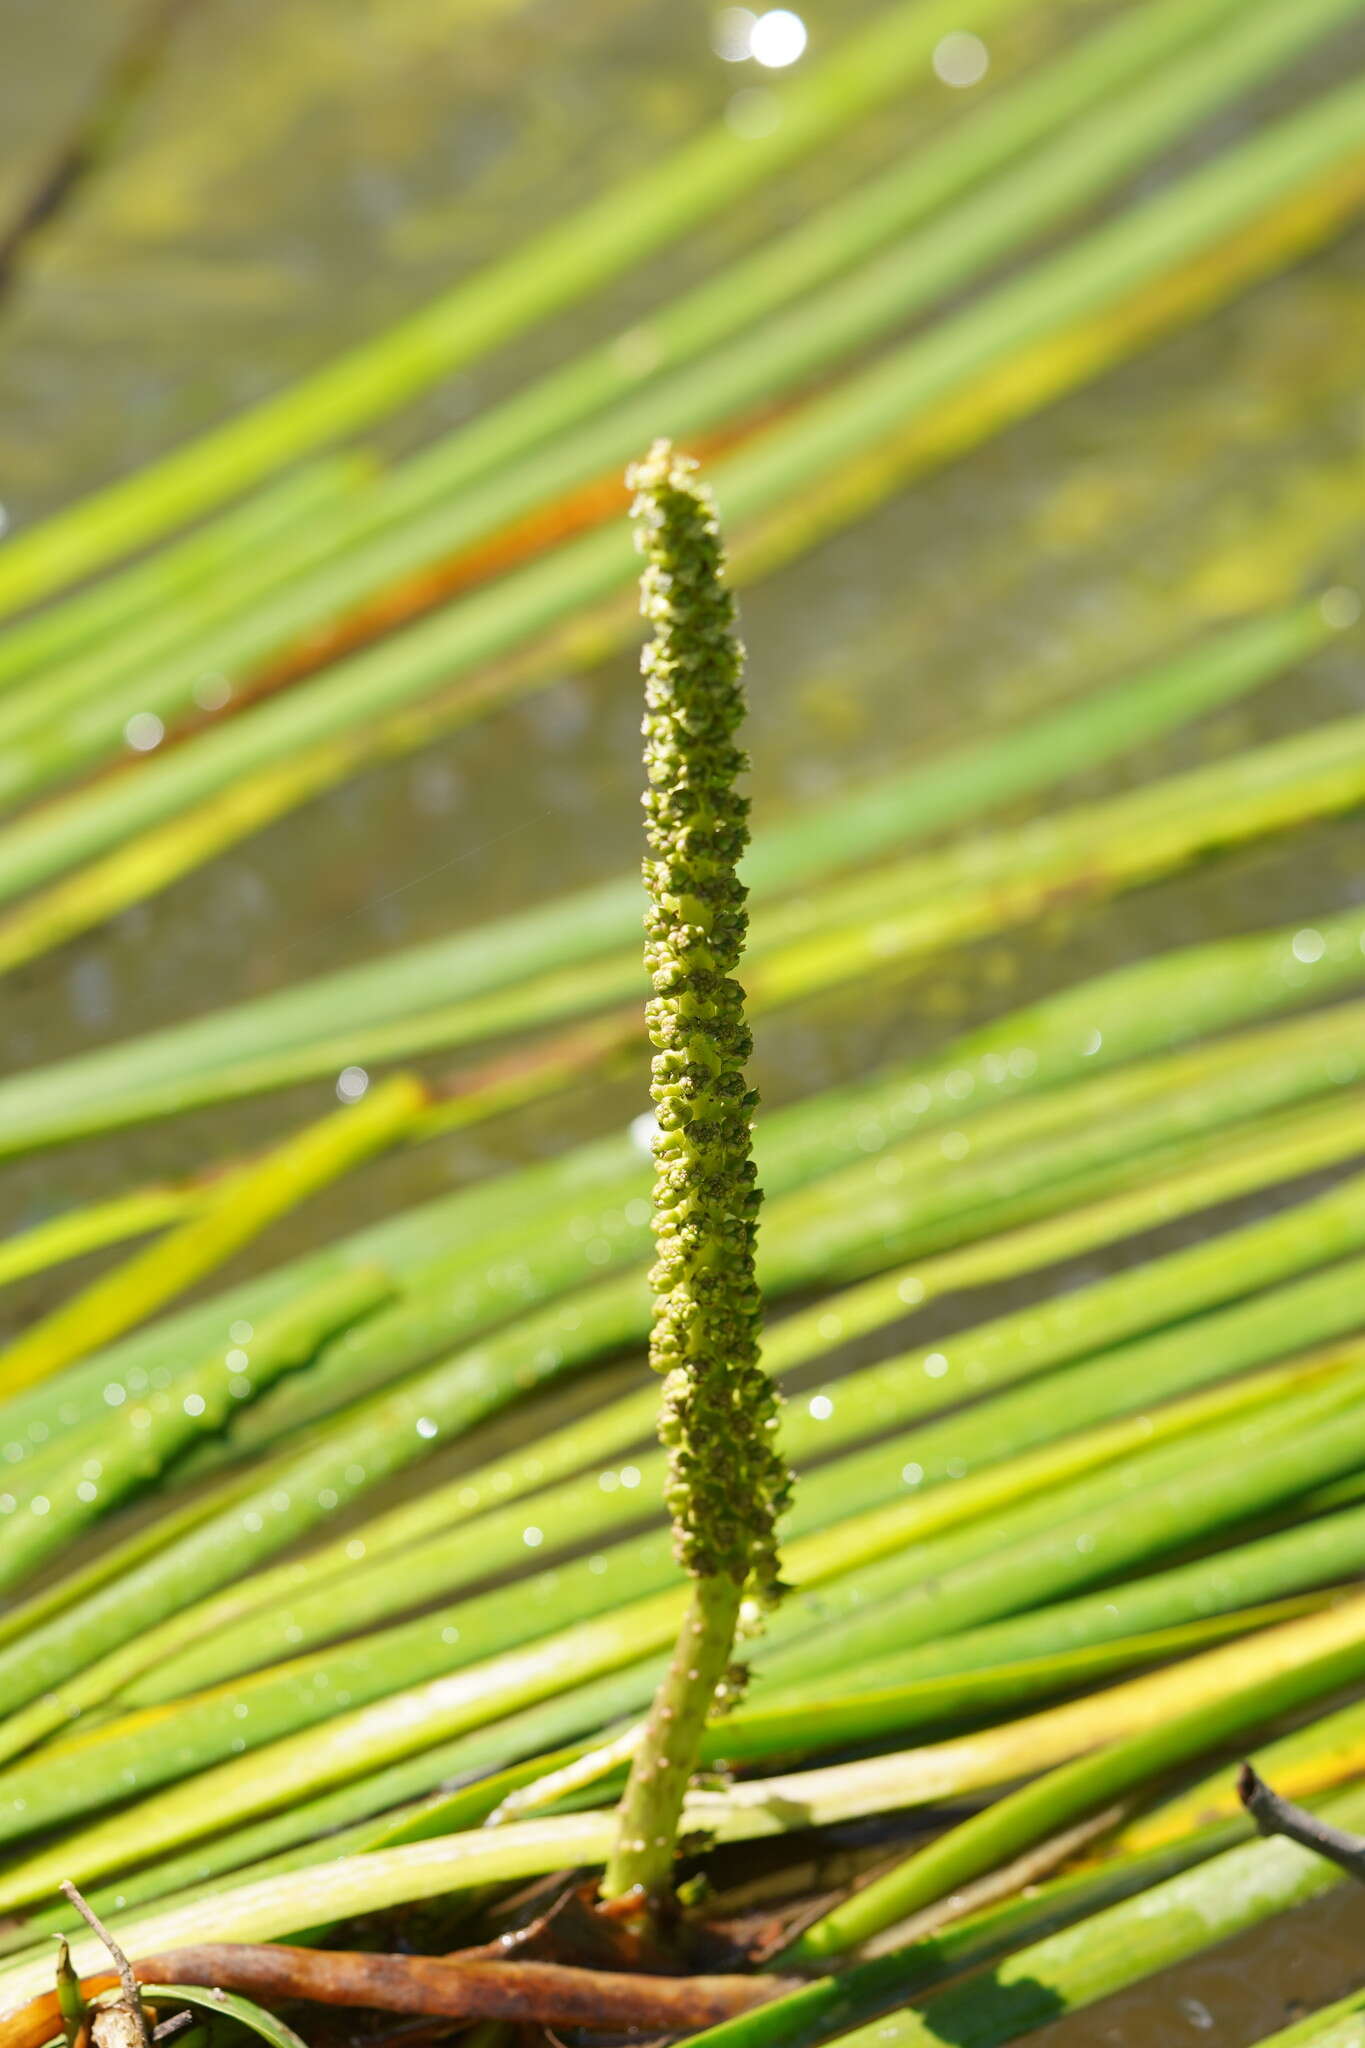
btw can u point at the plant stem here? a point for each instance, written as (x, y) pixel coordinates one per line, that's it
(727, 1483)
(668, 1749)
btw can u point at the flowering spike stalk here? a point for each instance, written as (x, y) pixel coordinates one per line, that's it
(727, 1485)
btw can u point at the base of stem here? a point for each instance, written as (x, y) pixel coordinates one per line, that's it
(646, 1840)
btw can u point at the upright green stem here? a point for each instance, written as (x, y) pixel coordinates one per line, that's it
(727, 1483)
(667, 1753)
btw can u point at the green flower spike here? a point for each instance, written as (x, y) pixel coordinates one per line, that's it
(727, 1485)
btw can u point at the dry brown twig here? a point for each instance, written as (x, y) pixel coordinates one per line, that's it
(460, 1986)
(1276, 1816)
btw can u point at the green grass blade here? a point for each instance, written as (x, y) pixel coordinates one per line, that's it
(555, 269)
(1038, 1047)
(1065, 1972)
(345, 1745)
(1337, 2026)
(117, 1455)
(1268, 1568)
(1188, 1913)
(829, 1418)
(167, 580)
(1072, 170)
(1121, 257)
(230, 2006)
(1251, 1695)
(1294, 224)
(245, 1205)
(1050, 1452)
(456, 1636)
(1253, 1160)
(76, 1231)
(1105, 1539)
(226, 1054)
(1021, 1157)
(1089, 1028)
(396, 1429)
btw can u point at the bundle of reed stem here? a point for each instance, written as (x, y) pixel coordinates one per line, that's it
(1052, 1553)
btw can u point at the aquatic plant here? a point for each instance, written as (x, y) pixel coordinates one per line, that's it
(1038, 1558)
(1078, 309)
(572, 956)
(1126, 98)
(708, 172)
(1091, 1955)
(726, 1482)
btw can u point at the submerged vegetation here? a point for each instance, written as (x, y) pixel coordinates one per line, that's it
(303, 1679)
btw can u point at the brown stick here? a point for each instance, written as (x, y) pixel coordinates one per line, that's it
(449, 1987)
(1276, 1816)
